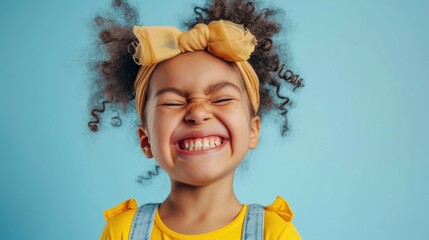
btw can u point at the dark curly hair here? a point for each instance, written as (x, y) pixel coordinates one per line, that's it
(114, 70)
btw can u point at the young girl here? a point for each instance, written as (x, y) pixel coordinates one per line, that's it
(199, 95)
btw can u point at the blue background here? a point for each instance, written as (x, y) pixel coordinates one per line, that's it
(355, 165)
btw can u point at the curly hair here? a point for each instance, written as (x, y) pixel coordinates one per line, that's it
(113, 85)
(115, 70)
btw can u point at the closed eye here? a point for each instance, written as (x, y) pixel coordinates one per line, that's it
(172, 104)
(222, 100)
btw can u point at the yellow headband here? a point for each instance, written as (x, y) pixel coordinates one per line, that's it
(223, 39)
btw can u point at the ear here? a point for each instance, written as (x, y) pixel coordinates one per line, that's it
(144, 142)
(254, 131)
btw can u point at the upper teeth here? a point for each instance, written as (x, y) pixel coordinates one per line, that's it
(200, 143)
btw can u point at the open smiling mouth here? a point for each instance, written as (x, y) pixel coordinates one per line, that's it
(196, 144)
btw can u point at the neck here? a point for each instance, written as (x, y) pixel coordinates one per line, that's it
(201, 201)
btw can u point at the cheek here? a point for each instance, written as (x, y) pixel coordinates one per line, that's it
(157, 138)
(237, 120)
(162, 127)
(240, 126)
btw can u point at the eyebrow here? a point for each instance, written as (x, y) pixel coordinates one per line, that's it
(218, 86)
(177, 91)
(209, 90)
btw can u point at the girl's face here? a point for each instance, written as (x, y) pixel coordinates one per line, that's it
(198, 122)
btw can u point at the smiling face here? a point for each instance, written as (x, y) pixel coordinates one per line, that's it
(198, 124)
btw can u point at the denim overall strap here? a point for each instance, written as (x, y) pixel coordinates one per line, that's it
(141, 228)
(254, 223)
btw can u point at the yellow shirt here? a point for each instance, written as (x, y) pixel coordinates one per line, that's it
(277, 224)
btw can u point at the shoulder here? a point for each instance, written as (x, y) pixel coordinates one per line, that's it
(118, 220)
(278, 221)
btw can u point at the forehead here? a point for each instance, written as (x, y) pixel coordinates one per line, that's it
(193, 71)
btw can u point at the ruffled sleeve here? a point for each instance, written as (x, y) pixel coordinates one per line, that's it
(119, 220)
(281, 207)
(278, 221)
(130, 204)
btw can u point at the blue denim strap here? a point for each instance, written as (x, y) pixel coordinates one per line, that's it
(141, 228)
(254, 223)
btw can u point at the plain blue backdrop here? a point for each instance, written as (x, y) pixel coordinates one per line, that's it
(355, 165)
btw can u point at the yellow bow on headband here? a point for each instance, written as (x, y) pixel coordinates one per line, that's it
(223, 39)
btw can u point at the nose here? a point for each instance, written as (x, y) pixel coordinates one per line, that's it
(198, 113)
